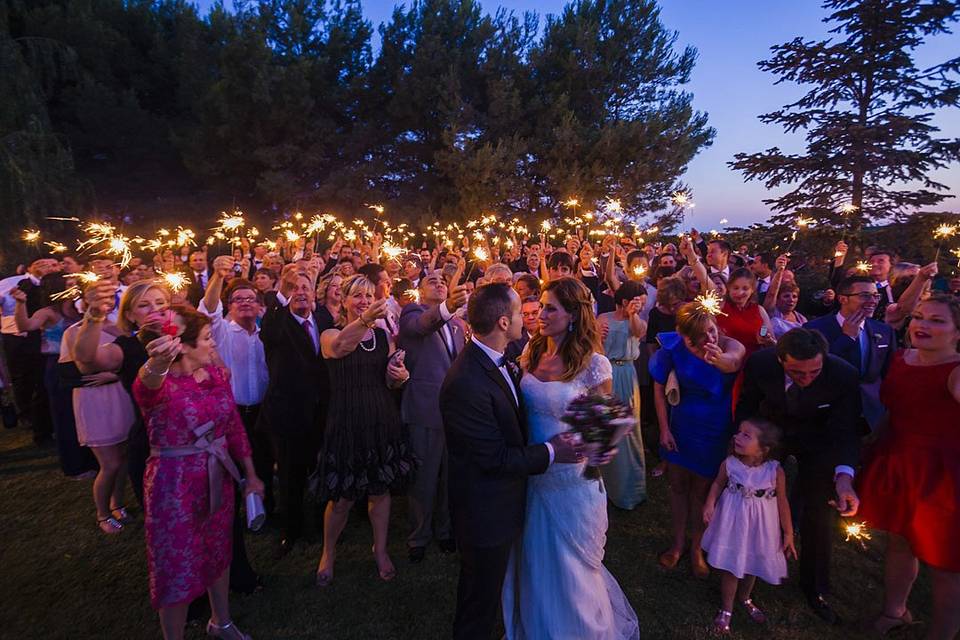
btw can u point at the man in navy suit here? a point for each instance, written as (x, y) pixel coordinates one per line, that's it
(865, 343)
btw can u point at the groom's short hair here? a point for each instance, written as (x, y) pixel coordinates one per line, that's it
(487, 305)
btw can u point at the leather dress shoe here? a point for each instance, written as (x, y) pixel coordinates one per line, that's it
(447, 546)
(823, 609)
(416, 554)
(284, 548)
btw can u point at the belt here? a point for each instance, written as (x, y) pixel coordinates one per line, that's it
(218, 460)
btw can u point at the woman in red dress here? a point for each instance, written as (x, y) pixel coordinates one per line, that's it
(743, 319)
(911, 485)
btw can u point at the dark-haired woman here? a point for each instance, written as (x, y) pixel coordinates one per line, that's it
(195, 435)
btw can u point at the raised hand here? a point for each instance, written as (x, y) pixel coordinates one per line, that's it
(18, 294)
(164, 349)
(223, 265)
(100, 300)
(375, 312)
(851, 325)
(457, 297)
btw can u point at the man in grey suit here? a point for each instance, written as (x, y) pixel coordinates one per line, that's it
(432, 337)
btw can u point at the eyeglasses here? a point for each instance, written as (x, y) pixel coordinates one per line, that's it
(863, 296)
(250, 300)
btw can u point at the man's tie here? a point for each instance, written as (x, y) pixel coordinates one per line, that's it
(308, 327)
(793, 399)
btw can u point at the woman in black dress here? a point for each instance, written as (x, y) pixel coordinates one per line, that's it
(365, 455)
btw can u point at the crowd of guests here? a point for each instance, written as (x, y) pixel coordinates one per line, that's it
(314, 376)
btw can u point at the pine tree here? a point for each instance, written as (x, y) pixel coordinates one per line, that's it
(867, 115)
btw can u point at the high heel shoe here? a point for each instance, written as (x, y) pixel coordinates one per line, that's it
(385, 574)
(109, 525)
(226, 630)
(121, 515)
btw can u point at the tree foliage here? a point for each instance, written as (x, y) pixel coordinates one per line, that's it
(286, 102)
(866, 113)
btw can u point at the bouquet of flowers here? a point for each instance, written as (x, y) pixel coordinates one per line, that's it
(600, 421)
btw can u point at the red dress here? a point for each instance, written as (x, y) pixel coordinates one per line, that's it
(911, 484)
(743, 325)
(188, 548)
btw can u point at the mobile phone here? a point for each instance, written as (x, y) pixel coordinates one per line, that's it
(397, 358)
(763, 331)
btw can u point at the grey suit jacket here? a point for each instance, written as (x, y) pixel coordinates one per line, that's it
(427, 360)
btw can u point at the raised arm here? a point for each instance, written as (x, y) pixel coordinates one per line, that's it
(37, 321)
(339, 343)
(898, 312)
(89, 354)
(699, 270)
(770, 300)
(222, 265)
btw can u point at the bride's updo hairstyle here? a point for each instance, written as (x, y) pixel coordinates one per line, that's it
(583, 334)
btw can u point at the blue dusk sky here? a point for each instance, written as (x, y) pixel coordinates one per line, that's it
(731, 36)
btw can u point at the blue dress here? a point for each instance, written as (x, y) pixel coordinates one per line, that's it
(701, 423)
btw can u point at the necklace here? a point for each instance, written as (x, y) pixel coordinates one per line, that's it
(373, 346)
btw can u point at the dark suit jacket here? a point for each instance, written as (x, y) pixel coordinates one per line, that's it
(826, 425)
(298, 389)
(427, 360)
(881, 338)
(195, 289)
(515, 348)
(489, 455)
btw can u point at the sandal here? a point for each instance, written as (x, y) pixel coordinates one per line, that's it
(121, 514)
(109, 525)
(884, 624)
(227, 630)
(721, 623)
(755, 613)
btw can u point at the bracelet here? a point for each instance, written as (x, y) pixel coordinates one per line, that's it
(92, 318)
(364, 322)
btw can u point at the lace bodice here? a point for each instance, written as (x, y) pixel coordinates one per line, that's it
(546, 402)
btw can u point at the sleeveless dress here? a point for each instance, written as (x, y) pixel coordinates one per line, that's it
(625, 476)
(911, 483)
(556, 585)
(702, 423)
(742, 325)
(364, 451)
(188, 548)
(104, 414)
(744, 535)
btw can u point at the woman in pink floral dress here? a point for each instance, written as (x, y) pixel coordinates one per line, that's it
(195, 435)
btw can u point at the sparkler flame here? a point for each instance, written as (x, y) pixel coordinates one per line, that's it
(230, 222)
(31, 235)
(572, 202)
(481, 254)
(863, 266)
(56, 247)
(413, 294)
(175, 281)
(639, 270)
(945, 231)
(711, 303)
(857, 532)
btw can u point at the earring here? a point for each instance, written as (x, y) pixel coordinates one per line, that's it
(570, 327)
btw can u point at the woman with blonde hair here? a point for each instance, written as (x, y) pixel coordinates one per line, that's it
(557, 585)
(695, 430)
(329, 300)
(364, 456)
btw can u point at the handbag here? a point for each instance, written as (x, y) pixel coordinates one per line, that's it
(672, 389)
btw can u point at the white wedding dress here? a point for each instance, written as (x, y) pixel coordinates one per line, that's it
(556, 586)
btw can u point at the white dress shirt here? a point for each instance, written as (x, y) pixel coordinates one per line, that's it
(8, 305)
(496, 357)
(242, 353)
(314, 330)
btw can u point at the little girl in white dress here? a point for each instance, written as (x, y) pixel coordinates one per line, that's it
(749, 530)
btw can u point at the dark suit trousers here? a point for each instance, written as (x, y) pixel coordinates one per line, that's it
(817, 523)
(26, 366)
(262, 451)
(427, 499)
(482, 572)
(296, 457)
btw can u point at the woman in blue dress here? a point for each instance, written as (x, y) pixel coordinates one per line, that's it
(696, 430)
(625, 476)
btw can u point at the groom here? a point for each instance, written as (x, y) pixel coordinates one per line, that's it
(489, 457)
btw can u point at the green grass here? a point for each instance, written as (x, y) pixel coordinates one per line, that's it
(61, 578)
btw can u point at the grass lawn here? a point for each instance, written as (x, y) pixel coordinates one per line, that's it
(62, 578)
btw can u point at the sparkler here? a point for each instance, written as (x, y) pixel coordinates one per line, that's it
(639, 270)
(802, 223)
(943, 231)
(413, 294)
(31, 235)
(862, 266)
(956, 253)
(74, 291)
(174, 281)
(710, 303)
(858, 532)
(230, 222)
(56, 247)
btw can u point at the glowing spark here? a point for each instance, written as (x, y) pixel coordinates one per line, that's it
(291, 235)
(87, 277)
(413, 294)
(175, 281)
(377, 207)
(572, 202)
(848, 207)
(711, 303)
(614, 205)
(230, 222)
(545, 226)
(253, 232)
(298, 216)
(680, 199)
(185, 237)
(805, 222)
(31, 235)
(56, 247)
(945, 231)
(391, 251)
(723, 221)
(857, 531)
(481, 254)
(639, 270)
(862, 266)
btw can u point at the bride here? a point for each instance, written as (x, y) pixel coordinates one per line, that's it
(556, 585)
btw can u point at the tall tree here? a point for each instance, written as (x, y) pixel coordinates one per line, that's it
(867, 115)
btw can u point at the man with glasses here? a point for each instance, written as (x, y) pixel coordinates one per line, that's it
(241, 351)
(866, 344)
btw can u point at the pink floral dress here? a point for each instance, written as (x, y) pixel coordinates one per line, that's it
(188, 547)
